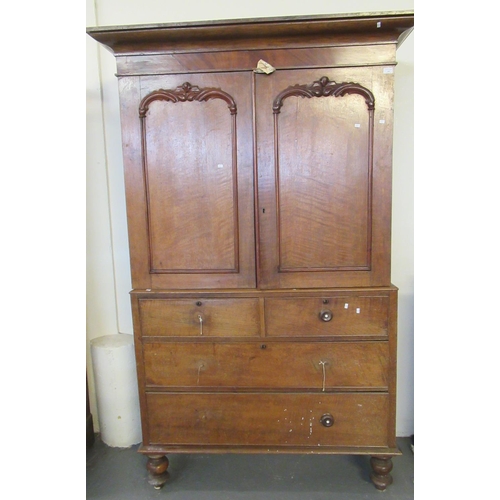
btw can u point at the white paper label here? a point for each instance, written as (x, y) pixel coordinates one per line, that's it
(388, 70)
(357, 125)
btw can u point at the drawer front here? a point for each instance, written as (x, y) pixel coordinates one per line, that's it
(254, 365)
(325, 316)
(268, 419)
(200, 317)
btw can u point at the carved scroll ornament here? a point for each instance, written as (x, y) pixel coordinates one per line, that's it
(186, 92)
(324, 87)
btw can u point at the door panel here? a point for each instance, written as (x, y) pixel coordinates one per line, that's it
(323, 175)
(195, 166)
(192, 192)
(322, 218)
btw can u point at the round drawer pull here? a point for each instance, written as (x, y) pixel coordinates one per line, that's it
(326, 315)
(326, 420)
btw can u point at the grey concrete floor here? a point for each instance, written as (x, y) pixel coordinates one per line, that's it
(120, 474)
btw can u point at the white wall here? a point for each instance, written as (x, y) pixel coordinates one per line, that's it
(108, 274)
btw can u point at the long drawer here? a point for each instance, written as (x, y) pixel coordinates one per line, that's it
(261, 365)
(327, 316)
(238, 317)
(273, 419)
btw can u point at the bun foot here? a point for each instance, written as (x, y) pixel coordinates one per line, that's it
(157, 467)
(381, 477)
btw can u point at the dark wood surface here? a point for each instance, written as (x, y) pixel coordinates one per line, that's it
(286, 316)
(290, 317)
(90, 419)
(257, 33)
(281, 58)
(232, 419)
(315, 366)
(324, 172)
(157, 466)
(259, 216)
(189, 178)
(219, 317)
(381, 477)
(190, 174)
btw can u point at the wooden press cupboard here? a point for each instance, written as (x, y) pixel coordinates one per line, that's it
(258, 165)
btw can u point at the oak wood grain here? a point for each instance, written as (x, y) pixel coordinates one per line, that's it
(301, 317)
(263, 366)
(219, 317)
(259, 218)
(324, 172)
(189, 177)
(245, 34)
(267, 419)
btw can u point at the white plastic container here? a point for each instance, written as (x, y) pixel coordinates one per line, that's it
(113, 360)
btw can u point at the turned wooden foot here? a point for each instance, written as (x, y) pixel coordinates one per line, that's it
(381, 476)
(157, 467)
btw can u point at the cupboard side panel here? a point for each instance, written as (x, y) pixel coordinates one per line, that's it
(129, 91)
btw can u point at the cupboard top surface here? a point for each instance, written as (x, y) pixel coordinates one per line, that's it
(373, 27)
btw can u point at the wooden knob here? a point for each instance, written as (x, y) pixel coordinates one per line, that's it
(326, 315)
(326, 420)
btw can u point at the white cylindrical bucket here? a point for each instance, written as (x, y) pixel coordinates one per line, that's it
(113, 360)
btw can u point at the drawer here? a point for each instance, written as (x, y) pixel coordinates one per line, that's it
(275, 419)
(255, 365)
(200, 317)
(324, 316)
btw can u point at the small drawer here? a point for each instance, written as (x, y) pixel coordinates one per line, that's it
(277, 419)
(200, 317)
(322, 366)
(325, 316)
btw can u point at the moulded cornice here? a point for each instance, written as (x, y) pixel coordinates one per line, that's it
(338, 29)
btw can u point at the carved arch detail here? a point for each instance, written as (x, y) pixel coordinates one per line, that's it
(324, 87)
(187, 92)
(190, 93)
